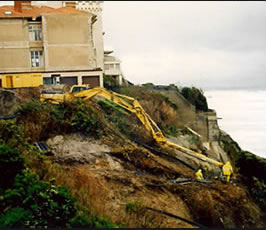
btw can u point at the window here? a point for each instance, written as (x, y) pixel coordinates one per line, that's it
(36, 59)
(35, 32)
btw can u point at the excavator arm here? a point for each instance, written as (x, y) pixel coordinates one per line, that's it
(132, 105)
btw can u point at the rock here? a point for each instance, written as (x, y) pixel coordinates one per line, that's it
(75, 149)
(9, 102)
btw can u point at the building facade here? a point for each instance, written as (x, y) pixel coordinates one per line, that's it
(109, 64)
(93, 7)
(58, 43)
(112, 67)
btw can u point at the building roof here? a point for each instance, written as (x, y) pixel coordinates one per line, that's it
(35, 11)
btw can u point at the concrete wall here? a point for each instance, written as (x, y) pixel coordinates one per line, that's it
(68, 42)
(95, 7)
(14, 45)
(67, 45)
(213, 128)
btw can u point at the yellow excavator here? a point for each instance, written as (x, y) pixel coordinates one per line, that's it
(130, 104)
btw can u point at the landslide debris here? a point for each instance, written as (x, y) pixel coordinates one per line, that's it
(96, 158)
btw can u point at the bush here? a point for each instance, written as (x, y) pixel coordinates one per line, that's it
(11, 133)
(41, 204)
(172, 130)
(258, 192)
(44, 120)
(115, 114)
(11, 163)
(109, 82)
(195, 97)
(131, 207)
(86, 120)
(82, 220)
(251, 165)
(148, 84)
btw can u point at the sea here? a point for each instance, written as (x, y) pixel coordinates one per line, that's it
(242, 114)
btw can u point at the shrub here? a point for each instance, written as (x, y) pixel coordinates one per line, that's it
(44, 120)
(109, 82)
(258, 192)
(131, 207)
(82, 220)
(251, 165)
(195, 97)
(15, 217)
(194, 140)
(41, 204)
(86, 120)
(148, 84)
(109, 107)
(172, 130)
(116, 114)
(11, 133)
(11, 163)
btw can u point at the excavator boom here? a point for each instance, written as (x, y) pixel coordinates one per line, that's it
(145, 119)
(132, 105)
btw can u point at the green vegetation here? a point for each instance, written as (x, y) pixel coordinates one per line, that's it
(109, 82)
(194, 140)
(258, 192)
(41, 204)
(195, 97)
(86, 120)
(43, 120)
(160, 107)
(11, 133)
(172, 130)
(11, 163)
(252, 167)
(26, 199)
(131, 207)
(115, 114)
(148, 84)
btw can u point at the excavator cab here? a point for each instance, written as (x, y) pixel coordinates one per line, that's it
(79, 88)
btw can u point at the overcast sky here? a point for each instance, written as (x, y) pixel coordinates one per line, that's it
(205, 44)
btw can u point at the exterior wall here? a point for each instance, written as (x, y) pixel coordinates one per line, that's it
(213, 128)
(79, 75)
(68, 42)
(14, 45)
(94, 7)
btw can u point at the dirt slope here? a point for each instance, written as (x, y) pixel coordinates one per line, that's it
(94, 156)
(118, 178)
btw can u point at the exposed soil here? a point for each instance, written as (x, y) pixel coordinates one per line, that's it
(115, 177)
